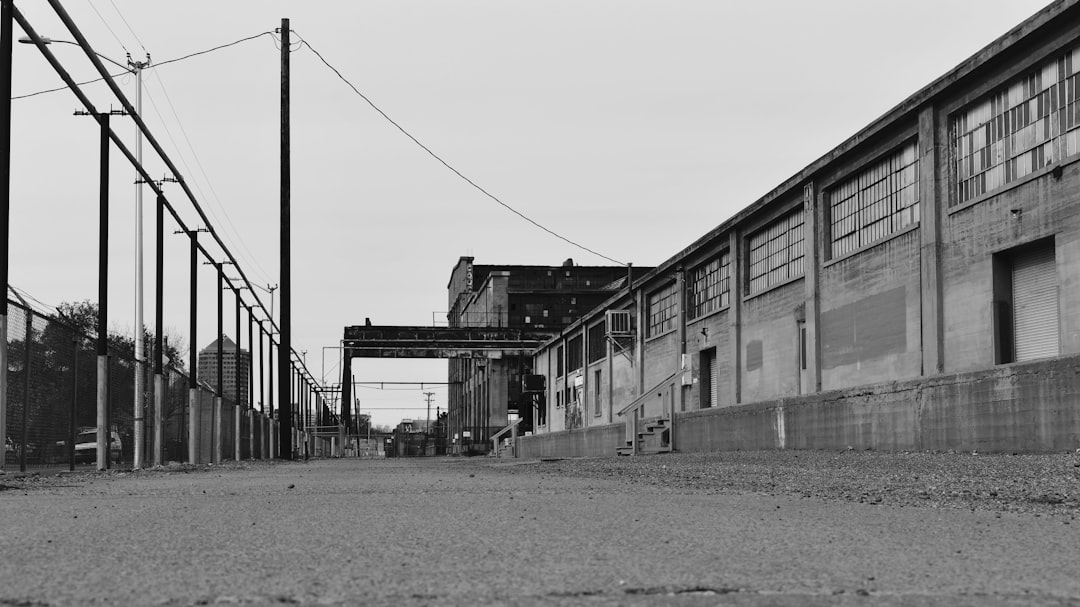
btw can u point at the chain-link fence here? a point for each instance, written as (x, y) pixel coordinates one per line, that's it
(52, 404)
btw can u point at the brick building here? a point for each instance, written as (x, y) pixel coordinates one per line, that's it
(917, 287)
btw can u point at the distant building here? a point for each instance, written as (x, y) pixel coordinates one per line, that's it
(231, 372)
(484, 392)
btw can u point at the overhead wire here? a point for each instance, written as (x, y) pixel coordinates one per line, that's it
(106, 24)
(126, 24)
(448, 165)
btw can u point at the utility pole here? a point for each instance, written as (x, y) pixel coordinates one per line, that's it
(103, 437)
(284, 353)
(159, 324)
(427, 427)
(6, 20)
(136, 68)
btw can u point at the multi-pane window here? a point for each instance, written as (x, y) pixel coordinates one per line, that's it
(879, 201)
(776, 252)
(709, 287)
(597, 342)
(1019, 129)
(574, 353)
(662, 305)
(559, 361)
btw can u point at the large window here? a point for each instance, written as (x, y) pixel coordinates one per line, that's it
(574, 353)
(662, 305)
(597, 341)
(709, 286)
(1021, 128)
(776, 252)
(879, 201)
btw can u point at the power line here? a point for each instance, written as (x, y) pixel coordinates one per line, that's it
(149, 67)
(448, 166)
(128, 26)
(106, 24)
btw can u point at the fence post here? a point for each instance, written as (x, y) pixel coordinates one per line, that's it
(26, 387)
(72, 420)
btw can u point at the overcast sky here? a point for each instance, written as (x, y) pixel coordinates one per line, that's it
(631, 127)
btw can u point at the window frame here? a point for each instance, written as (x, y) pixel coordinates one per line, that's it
(661, 320)
(699, 302)
(775, 231)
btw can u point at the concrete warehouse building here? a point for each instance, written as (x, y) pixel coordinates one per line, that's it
(918, 287)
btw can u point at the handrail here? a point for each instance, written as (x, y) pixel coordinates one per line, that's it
(645, 394)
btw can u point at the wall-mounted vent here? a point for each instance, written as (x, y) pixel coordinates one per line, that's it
(619, 323)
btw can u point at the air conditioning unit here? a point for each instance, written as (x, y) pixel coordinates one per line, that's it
(619, 323)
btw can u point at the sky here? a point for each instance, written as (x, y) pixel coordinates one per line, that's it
(630, 127)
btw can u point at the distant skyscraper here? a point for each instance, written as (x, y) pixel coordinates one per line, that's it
(231, 371)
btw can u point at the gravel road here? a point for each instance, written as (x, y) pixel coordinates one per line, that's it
(745, 528)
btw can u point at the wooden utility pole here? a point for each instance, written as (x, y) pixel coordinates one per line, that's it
(285, 429)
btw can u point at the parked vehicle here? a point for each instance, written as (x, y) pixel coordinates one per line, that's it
(86, 446)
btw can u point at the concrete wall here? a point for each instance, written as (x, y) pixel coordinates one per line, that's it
(597, 441)
(770, 342)
(1021, 407)
(870, 312)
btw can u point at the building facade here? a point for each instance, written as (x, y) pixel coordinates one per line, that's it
(486, 391)
(918, 287)
(236, 371)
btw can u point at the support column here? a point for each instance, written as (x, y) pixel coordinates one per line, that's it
(6, 20)
(735, 315)
(810, 379)
(103, 438)
(194, 417)
(159, 330)
(930, 213)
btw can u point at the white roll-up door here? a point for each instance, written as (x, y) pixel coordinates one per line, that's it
(712, 380)
(1035, 304)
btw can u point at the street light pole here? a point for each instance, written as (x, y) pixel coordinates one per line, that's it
(135, 68)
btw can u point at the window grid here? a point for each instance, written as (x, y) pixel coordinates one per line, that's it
(661, 315)
(597, 342)
(879, 201)
(1018, 130)
(776, 252)
(709, 287)
(574, 354)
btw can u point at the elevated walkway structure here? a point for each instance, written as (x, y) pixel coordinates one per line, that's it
(369, 341)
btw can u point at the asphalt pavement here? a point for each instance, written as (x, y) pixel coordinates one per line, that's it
(454, 531)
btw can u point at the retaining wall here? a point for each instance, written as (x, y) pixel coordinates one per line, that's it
(1023, 407)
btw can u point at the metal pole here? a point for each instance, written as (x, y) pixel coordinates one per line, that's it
(74, 400)
(5, 200)
(193, 364)
(274, 438)
(236, 378)
(140, 357)
(159, 345)
(219, 387)
(285, 389)
(27, 341)
(262, 397)
(103, 302)
(251, 385)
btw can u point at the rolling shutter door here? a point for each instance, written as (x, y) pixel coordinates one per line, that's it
(712, 380)
(1035, 304)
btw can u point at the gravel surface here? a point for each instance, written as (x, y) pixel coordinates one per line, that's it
(1027, 483)
(1019, 483)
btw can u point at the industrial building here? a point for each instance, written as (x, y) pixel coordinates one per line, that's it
(917, 287)
(485, 391)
